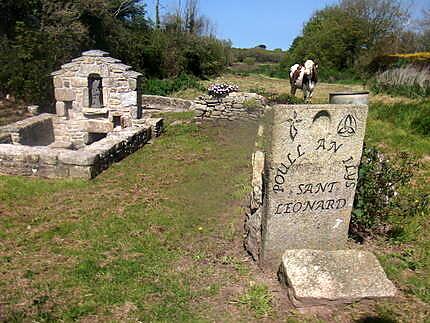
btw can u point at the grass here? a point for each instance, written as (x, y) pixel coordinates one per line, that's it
(258, 299)
(75, 250)
(158, 236)
(405, 255)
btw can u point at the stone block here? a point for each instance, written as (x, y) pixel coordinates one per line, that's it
(58, 82)
(64, 94)
(85, 98)
(128, 98)
(86, 69)
(80, 158)
(97, 126)
(60, 109)
(318, 277)
(79, 82)
(132, 83)
(84, 172)
(311, 178)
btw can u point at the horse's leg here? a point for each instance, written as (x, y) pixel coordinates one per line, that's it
(293, 90)
(305, 94)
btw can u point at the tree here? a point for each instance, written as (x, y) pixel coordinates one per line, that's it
(352, 33)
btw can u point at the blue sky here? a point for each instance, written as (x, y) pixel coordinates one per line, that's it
(248, 23)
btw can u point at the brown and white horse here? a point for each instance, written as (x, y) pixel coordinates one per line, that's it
(304, 77)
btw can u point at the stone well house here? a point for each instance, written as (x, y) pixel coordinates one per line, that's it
(94, 94)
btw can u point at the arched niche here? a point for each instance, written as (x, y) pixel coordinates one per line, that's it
(95, 91)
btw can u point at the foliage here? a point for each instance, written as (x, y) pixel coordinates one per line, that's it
(29, 28)
(249, 60)
(378, 188)
(258, 299)
(169, 86)
(261, 55)
(277, 98)
(349, 35)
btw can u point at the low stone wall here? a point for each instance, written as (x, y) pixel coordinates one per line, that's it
(34, 131)
(237, 105)
(155, 104)
(84, 163)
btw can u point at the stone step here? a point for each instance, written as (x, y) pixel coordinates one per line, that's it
(318, 277)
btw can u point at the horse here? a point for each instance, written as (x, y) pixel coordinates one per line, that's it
(304, 77)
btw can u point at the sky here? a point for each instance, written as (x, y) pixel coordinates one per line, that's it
(275, 23)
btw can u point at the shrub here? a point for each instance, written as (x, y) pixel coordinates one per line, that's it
(285, 98)
(249, 60)
(379, 186)
(169, 86)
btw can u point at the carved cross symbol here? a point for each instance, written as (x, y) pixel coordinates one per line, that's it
(293, 122)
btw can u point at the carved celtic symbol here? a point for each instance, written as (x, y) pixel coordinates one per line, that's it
(347, 126)
(293, 129)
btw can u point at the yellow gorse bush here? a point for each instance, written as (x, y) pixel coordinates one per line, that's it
(413, 57)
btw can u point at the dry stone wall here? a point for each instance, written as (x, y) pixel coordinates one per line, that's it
(236, 105)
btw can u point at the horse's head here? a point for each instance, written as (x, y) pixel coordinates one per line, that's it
(311, 70)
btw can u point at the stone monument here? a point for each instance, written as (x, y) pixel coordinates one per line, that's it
(309, 181)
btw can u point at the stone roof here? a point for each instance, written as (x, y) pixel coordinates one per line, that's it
(101, 57)
(95, 53)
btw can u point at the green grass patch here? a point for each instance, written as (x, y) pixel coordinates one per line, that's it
(92, 247)
(258, 299)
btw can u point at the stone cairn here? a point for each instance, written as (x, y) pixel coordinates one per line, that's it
(301, 203)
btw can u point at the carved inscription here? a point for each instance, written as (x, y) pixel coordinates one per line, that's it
(333, 146)
(282, 170)
(350, 172)
(316, 188)
(311, 200)
(310, 206)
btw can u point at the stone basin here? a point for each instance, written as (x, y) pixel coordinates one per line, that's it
(358, 97)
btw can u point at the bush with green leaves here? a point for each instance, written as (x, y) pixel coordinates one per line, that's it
(169, 86)
(380, 189)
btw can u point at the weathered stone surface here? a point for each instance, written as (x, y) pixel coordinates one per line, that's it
(95, 53)
(33, 109)
(64, 94)
(253, 220)
(311, 179)
(60, 109)
(78, 157)
(129, 98)
(316, 277)
(165, 104)
(97, 126)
